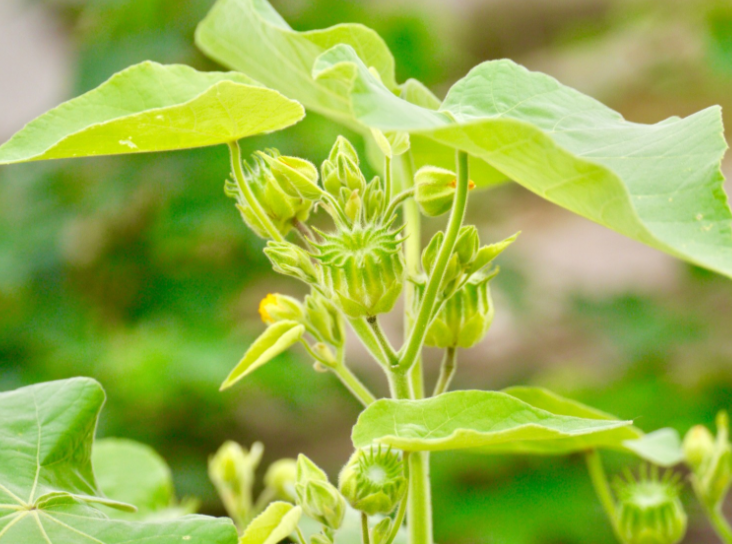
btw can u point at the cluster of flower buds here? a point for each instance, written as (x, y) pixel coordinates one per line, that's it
(434, 190)
(362, 202)
(467, 310)
(710, 460)
(649, 510)
(318, 498)
(373, 480)
(231, 470)
(283, 200)
(363, 268)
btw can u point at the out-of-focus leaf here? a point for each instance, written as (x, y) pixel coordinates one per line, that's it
(47, 486)
(276, 523)
(661, 447)
(480, 419)
(151, 107)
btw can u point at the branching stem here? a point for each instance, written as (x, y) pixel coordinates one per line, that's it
(386, 348)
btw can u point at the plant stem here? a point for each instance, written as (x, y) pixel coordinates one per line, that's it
(388, 182)
(241, 181)
(398, 199)
(367, 337)
(365, 528)
(419, 499)
(602, 488)
(721, 525)
(419, 331)
(353, 384)
(447, 371)
(386, 348)
(412, 255)
(300, 536)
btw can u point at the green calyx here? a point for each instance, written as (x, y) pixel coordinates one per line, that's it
(291, 260)
(324, 320)
(710, 459)
(373, 480)
(649, 509)
(465, 318)
(281, 208)
(363, 268)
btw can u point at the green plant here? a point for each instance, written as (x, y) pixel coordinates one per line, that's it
(659, 184)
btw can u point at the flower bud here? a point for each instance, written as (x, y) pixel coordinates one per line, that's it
(353, 207)
(434, 190)
(318, 498)
(297, 177)
(276, 307)
(381, 531)
(429, 254)
(713, 476)
(698, 446)
(325, 355)
(280, 477)
(363, 268)
(373, 201)
(324, 319)
(281, 208)
(649, 509)
(373, 480)
(342, 147)
(231, 470)
(465, 318)
(467, 245)
(321, 538)
(291, 260)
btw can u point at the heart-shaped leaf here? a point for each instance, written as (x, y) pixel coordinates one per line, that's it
(47, 486)
(151, 107)
(273, 341)
(659, 184)
(250, 36)
(490, 420)
(276, 523)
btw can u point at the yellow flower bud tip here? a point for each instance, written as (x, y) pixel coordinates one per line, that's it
(269, 300)
(471, 184)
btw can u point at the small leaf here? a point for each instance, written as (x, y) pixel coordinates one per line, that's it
(48, 493)
(151, 107)
(134, 473)
(659, 184)
(273, 341)
(276, 523)
(661, 447)
(489, 420)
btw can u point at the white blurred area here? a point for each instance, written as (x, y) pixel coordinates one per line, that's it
(35, 63)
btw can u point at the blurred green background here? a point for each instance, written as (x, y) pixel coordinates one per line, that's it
(137, 270)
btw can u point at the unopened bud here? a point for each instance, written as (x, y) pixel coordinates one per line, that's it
(467, 244)
(373, 480)
(649, 510)
(320, 538)
(318, 498)
(381, 531)
(373, 200)
(297, 177)
(280, 477)
(291, 260)
(698, 446)
(231, 470)
(275, 307)
(435, 189)
(323, 317)
(325, 355)
(429, 254)
(353, 207)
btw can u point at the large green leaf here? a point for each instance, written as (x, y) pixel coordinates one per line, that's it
(481, 419)
(250, 36)
(660, 184)
(47, 486)
(151, 107)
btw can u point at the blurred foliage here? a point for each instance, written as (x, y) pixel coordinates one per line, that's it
(137, 270)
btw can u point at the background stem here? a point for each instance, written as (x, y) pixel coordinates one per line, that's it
(602, 488)
(447, 371)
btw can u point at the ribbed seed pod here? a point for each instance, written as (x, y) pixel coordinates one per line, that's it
(363, 268)
(373, 480)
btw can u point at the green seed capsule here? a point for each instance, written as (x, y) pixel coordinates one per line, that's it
(466, 316)
(363, 268)
(649, 510)
(373, 480)
(318, 498)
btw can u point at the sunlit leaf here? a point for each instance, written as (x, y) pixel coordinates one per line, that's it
(478, 419)
(48, 491)
(661, 447)
(273, 341)
(276, 523)
(659, 184)
(151, 107)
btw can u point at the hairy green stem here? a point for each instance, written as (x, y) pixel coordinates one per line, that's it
(447, 371)
(396, 202)
(419, 499)
(367, 337)
(419, 330)
(353, 384)
(721, 525)
(602, 488)
(386, 348)
(241, 181)
(388, 179)
(365, 537)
